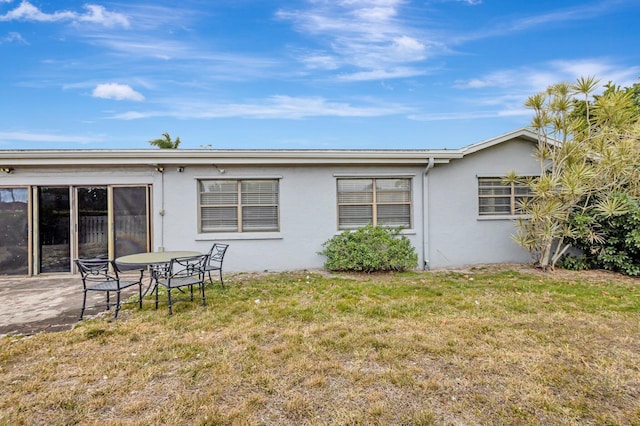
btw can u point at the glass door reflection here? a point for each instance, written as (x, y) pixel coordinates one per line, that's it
(93, 222)
(54, 216)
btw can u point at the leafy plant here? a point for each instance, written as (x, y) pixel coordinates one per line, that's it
(588, 154)
(369, 249)
(165, 142)
(616, 246)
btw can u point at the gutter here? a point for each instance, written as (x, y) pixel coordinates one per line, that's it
(425, 214)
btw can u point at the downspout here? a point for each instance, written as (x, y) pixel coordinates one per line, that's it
(160, 169)
(425, 214)
(161, 248)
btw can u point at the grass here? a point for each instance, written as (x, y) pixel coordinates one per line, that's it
(490, 347)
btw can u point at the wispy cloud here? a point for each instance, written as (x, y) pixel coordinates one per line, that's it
(532, 79)
(13, 37)
(118, 92)
(366, 34)
(502, 93)
(47, 137)
(275, 107)
(499, 28)
(94, 14)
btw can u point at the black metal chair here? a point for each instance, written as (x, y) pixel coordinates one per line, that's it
(103, 275)
(216, 257)
(183, 272)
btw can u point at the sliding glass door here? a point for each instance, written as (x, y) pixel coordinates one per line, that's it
(74, 222)
(54, 229)
(14, 231)
(92, 222)
(131, 219)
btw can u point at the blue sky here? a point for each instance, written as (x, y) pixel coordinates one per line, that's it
(303, 74)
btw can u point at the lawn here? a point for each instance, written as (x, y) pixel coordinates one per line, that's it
(488, 346)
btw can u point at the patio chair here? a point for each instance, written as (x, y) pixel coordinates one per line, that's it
(103, 275)
(183, 272)
(216, 256)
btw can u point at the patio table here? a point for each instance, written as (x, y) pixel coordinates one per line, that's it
(152, 260)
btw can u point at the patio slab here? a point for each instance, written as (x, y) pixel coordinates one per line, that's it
(44, 303)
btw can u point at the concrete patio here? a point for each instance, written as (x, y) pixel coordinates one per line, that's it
(45, 303)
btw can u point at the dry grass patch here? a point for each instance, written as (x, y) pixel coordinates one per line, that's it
(481, 347)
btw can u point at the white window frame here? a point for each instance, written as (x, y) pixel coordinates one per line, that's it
(375, 201)
(240, 206)
(512, 196)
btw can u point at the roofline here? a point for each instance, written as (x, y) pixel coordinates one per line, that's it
(154, 157)
(523, 133)
(220, 157)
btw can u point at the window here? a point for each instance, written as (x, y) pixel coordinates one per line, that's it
(239, 205)
(497, 197)
(379, 201)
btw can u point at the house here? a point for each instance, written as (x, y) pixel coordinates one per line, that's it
(274, 207)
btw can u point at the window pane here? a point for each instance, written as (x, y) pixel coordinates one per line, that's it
(14, 231)
(500, 198)
(260, 192)
(355, 197)
(504, 190)
(354, 216)
(493, 186)
(394, 215)
(393, 197)
(495, 205)
(355, 191)
(521, 189)
(355, 185)
(92, 222)
(256, 199)
(219, 219)
(55, 224)
(260, 218)
(219, 192)
(130, 219)
(393, 184)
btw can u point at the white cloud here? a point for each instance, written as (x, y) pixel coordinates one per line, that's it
(367, 34)
(533, 79)
(95, 14)
(46, 137)
(382, 74)
(275, 107)
(320, 61)
(503, 93)
(119, 92)
(13, 37)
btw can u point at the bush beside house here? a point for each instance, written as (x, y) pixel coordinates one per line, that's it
(369, 249)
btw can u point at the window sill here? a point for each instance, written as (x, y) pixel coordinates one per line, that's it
(213, 236)
(504, 217)
(403, 232)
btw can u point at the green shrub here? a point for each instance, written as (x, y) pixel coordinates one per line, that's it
(369, 249)
(618, 246)
(574, 262)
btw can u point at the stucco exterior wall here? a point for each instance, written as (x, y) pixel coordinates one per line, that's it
(308, 214)
(446, 230)
(458, 235)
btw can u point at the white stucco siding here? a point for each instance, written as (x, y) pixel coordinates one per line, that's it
(308, 214)
(446, 229)
(78, 176)
(458, 235)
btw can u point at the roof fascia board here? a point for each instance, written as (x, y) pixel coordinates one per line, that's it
(239, 157)
(523, 133)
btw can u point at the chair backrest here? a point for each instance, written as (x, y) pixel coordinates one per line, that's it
(97, 270)
(216, 254)
(190, 266)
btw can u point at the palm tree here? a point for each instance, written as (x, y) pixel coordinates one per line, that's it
(165, 142)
